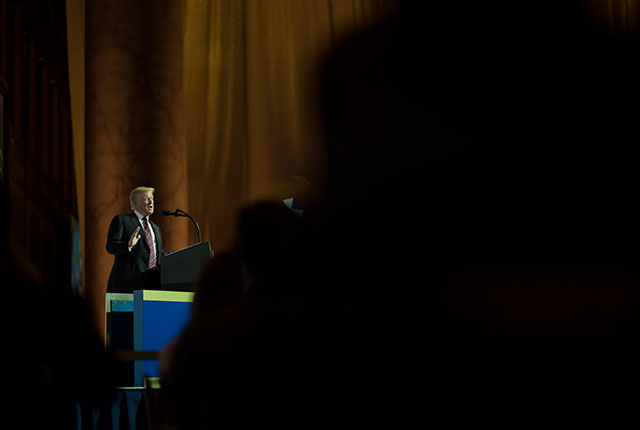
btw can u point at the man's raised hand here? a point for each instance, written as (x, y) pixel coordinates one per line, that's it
(135, 237)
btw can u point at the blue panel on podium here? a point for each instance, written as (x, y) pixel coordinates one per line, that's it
(159, 317)
(122, 306)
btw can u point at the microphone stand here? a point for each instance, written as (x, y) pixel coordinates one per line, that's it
(183, 213)
(180, 212)
(194, 223)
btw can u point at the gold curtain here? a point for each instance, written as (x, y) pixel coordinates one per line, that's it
(619, 16)
(246, 89)
(76, 55)
(249, 85)
(250, 70)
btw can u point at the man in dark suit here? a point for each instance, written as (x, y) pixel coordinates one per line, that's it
(134, 240)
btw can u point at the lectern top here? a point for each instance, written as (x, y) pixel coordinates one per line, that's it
(166, 296)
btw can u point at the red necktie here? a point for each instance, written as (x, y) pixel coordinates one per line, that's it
(152, 249)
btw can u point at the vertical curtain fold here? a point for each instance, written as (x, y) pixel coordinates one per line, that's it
(76, 57)
(250, 97)
(617, 16)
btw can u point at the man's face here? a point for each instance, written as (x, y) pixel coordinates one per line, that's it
(144, 203)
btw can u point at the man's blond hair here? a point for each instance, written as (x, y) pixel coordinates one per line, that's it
(136, 192)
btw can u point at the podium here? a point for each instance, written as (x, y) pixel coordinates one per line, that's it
(147, 280)
(180, 270)
(158, 318)
(156, 311)
(144, 321)
(177, 271)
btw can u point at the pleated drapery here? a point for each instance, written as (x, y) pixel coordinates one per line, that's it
(619, 16)
(250, 89)
(211, 102)
(75, 48)
(221, 94)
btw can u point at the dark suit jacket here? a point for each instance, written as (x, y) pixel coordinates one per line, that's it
(128, 264)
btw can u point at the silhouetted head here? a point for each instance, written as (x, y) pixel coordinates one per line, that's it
(219, 285)
(269, 241)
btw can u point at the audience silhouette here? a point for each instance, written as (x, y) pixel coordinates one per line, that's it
(55, 358)
(474, 253)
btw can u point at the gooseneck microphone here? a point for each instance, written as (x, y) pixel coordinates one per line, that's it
(179, 212)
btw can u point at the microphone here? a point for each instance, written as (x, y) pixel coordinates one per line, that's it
(169, 213)
(180, 212)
